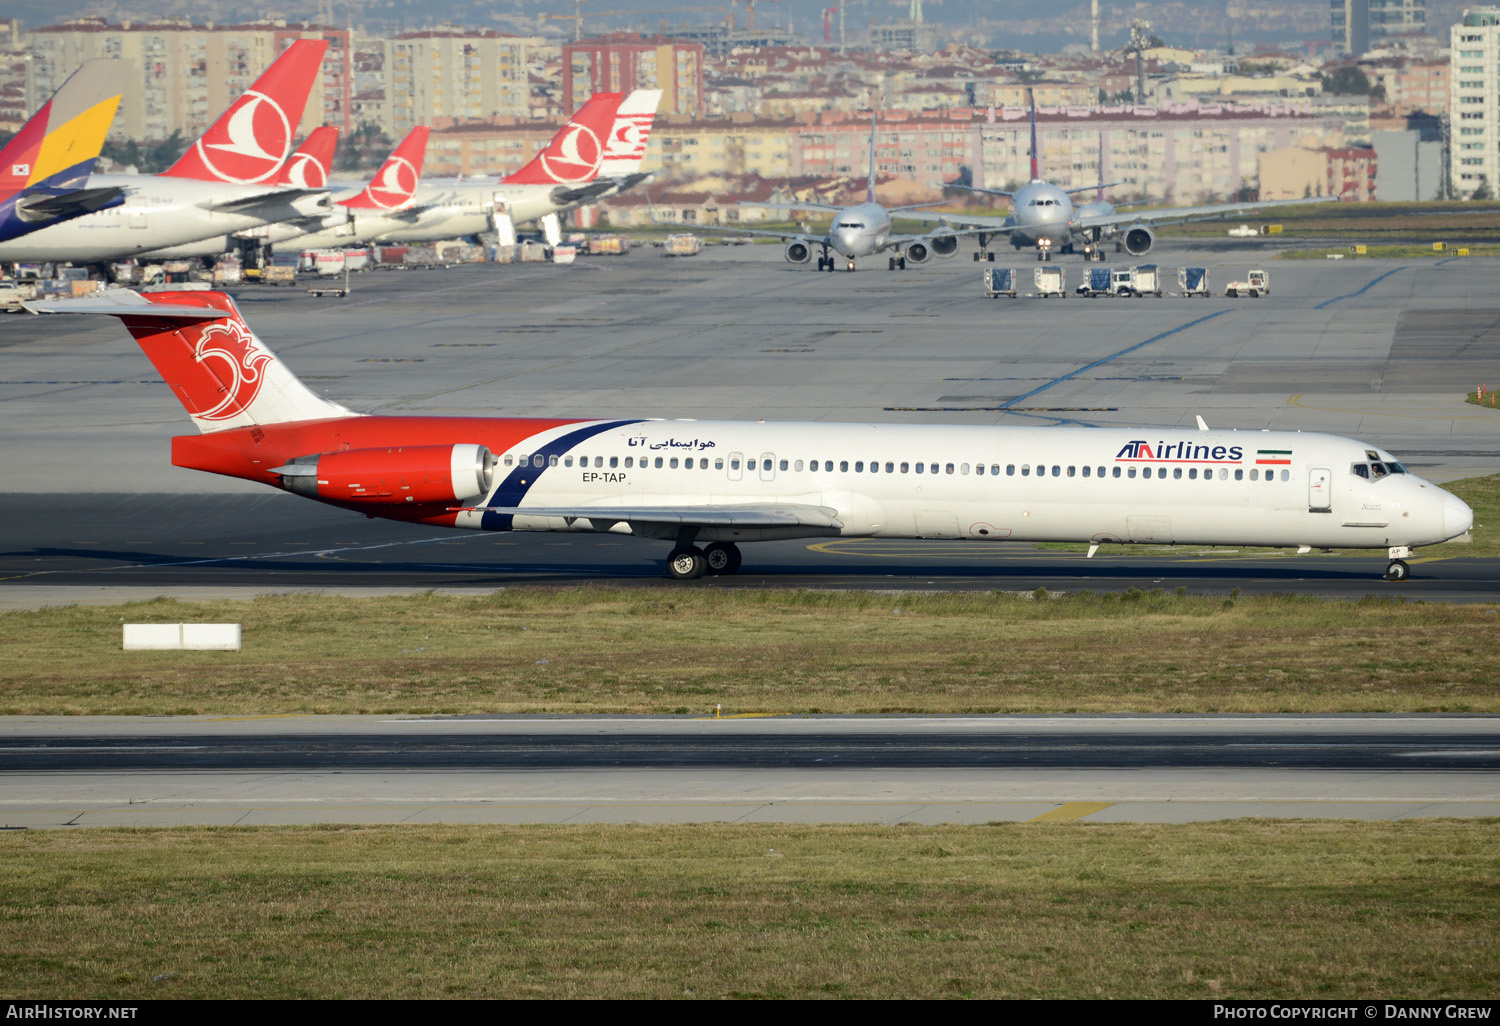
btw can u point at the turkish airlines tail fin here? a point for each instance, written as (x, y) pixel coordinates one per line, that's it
(577, 150)
(626, 147)
(396, 182)
(222, 374)
(312, 163)
(252, 138)
(57, 147)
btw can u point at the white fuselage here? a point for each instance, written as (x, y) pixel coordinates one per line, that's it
(985, 483)
(1043, 216)
(158, 213)
(451, 210)
(860, 230)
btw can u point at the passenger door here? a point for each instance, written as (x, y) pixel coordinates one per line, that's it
(1320, 490)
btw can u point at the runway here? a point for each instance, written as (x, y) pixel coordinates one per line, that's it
(197, 770)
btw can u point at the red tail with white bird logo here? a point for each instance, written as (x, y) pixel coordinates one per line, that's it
(575, 152)
(396, 182)
(310, 166)
(221, 372)
(251, 140)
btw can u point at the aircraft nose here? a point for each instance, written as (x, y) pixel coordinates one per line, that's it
(1457, 517)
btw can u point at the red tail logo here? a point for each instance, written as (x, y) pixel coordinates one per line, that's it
(575, 153)
(252, 138)
(234, 356)
(396, 182)
(308, 167)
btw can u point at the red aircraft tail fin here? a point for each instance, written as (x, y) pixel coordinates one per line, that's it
(251, 140)
(577, 150)
(310, 166)
(395, 184)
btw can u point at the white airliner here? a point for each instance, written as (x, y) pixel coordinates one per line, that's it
(1046, 218)
(597, 154)
(725, 483)
(858, 231)
(220, 186)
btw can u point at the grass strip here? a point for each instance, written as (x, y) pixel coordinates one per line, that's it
(683, 650)
(1241, 909)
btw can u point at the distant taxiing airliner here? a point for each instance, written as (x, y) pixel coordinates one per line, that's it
(717, 484)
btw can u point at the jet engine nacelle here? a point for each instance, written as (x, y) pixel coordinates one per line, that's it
(1138, 240)
(798, 252)
(918, 253)
(394, 476)
(945, 245)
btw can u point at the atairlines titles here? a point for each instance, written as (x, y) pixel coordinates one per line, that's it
(1179, 452)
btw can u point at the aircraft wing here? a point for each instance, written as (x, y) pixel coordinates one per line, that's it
(970, 224)
(564, 195)
(1182, 215)
(751, 515)
(273, 198)
(903, 240)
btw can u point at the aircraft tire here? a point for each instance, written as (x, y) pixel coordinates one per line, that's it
(721, 558)
(1397, 570)
(976, 256)
(685, 564)
(891, 264)
(990, 257)
(901, 263)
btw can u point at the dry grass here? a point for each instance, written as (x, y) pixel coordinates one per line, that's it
(1246, 909)
(677, 650)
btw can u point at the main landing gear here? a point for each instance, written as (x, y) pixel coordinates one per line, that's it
(688, 563)
(897, 264)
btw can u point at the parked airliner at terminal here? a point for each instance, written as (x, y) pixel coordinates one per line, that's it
(709, 486)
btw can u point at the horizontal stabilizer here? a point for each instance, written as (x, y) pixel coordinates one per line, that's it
(768, 515)
(68, 204)
(264, 200)
(120, 303)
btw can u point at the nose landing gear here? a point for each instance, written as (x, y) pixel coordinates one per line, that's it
(1396, 569)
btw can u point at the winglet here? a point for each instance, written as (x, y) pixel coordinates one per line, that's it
(1202, 424)
(395, 184)
(253, 137)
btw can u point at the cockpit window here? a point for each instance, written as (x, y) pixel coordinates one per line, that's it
(850, 224)
(1376, 469)
(1361, 470)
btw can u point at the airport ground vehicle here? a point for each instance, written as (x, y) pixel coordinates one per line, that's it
(1145, 280)
(1000, 281)
(1051, 281)
(724, 483)
(1255, 284)
(1095, 282)
(682, 244)
(1122, 282)
(1193, 281)
(608, 245)
(13, 295)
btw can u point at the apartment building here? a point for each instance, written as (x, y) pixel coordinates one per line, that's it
(625, 62)
(1360, 24)
(1474, 102)
(1185, 153)
(456, 73)
(928, 148)
(189, 74)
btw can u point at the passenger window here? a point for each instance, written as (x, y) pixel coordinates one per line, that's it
(749, 464)
(507, 459)
(674, 463)
(1101, 471)
(978, 469)
(599, 461)
(949, 469)
(797, 465)
(1086, 471)
(1130, 472)
(1072, 471)
(551, 461)
(614, 461)
(1223, 474)
(1057, 470)
(859, 466)
(905, 468)
(1254, 475)
(1286, 475)
(567, 461)
(688, 463)
(995, 469)
(1026, 470)
(1192, 473)
(783, 464)
(719, 463)
(734, 464)
(920, 467)
(630, 461)
(843, 466)
(1010, 470)
(1117, 472)
(932, 468)
(1177, 473)
(539, 460)
(1239, 475)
